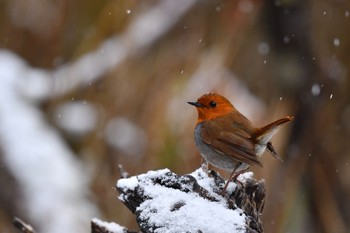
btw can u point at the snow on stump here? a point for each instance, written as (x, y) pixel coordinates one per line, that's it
(98, 226)
(166, 202)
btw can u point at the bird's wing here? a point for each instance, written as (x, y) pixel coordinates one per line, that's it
(230, 141)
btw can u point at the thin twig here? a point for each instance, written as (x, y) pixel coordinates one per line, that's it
(22, 226)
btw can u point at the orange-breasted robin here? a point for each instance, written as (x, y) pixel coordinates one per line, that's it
(227, 140)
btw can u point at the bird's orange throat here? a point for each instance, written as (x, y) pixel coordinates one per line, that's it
(205, 114)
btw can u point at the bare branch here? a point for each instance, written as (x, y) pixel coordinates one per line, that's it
(22, 226)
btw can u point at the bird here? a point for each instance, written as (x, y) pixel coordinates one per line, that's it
(227, 140)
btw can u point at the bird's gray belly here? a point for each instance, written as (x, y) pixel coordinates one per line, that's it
(216, 158)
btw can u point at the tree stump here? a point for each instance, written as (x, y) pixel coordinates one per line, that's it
(163, 201)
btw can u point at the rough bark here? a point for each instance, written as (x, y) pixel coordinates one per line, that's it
(248, 196)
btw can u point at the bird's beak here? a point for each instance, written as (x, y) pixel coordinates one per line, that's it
(196, 104)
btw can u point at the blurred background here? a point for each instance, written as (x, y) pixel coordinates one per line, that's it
(88, 85)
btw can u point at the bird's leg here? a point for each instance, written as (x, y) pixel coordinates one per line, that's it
(205, 165)
(222, 193)
(233, 177)
(237, 174)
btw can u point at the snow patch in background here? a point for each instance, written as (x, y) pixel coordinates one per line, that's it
(126, 136)
(76, 117)
(53, 182)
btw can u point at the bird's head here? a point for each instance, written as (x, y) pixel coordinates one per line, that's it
(211, 106)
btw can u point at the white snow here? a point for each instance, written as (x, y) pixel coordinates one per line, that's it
(53, 183)
(245, 176)
(264, 48)
(110, 227)
(171, 210)
(128, 183)
(286, 39)
(315, 89)
(121, 133)
(336, 42)
(76, 117)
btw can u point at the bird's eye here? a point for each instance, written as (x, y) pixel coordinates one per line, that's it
(212, 104)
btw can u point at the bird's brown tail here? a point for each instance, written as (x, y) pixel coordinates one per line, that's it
(264, 134)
